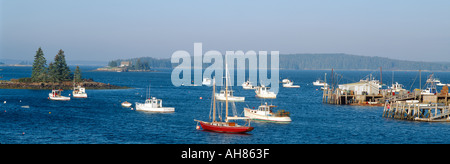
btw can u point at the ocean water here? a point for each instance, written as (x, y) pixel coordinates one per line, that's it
(101, 119)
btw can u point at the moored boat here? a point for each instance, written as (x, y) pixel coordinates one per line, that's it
(290, 84)
(221, 96)
(224, 126)
(56, 95)
(206, 81)
(126, 104)
(265, 113)
(263, 92)
(152, 104)
(430, 88)
(247, 85)
(79, 92)
(319, 83)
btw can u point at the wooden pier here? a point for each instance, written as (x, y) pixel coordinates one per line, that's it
(343, 97)
(408, 110)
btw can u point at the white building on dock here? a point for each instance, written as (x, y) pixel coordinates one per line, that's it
(363, 87)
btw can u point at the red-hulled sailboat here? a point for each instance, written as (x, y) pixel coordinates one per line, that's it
(225, 127)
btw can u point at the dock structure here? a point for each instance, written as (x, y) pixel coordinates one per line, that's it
(370, 92)
(344, 97)
(415, 111)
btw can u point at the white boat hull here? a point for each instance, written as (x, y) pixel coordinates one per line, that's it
(267, 96)
(149, 108)
(291, 86)
(318, 84)
(80, 95)
(230, 98)
(58, 98)
(285, 80)
(126, 105)
(257, 115)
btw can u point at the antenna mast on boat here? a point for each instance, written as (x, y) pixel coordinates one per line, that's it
(226, 89)
(214, 100)
(148, 93)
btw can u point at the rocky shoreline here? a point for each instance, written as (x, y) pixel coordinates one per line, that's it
(67, 85)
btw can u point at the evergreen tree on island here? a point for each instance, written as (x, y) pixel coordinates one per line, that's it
(77, 74)
(60, 70)
(39, 67)
(52, 73)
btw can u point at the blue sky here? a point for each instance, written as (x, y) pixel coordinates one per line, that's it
(103, 30)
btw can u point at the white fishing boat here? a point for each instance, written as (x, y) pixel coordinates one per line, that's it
(152, 104)
(126, 104)
(221, 96)
(371, 81)
(397, 87)
(319, 83)
(263, 92)
(441, 84)
(430, 88)
(433, 79)
(79, 92)
(290, 84)
(56, 95)
(285, 80)
(206, 81)
(429, 91)
(265, 113)
(247, 85)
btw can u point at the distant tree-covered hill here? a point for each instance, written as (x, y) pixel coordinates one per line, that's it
(354, 62)
(143, 63)
(318, 62)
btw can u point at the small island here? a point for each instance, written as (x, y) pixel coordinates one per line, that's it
(56, 76)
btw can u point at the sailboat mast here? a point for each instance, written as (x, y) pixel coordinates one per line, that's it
(148, 92)
(214, 100)
(226, 89)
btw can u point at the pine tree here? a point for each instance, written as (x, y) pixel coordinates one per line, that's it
(77, 74)
(61, 69)
(39, 69)
(52, 73)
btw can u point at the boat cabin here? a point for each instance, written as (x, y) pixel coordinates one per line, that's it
(266, 108)
(263, 89)
(229, 92)
(56, 92)
(155, 103)
(268, 111)
(79, 89)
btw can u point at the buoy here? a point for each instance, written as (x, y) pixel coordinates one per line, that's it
(201, 98)
(49, 112)
(198, 127)
(23, 133)
(4, 102)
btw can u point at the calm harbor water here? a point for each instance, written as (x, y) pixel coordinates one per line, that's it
(101, 119)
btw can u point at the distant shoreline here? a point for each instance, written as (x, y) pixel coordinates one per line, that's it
(67, 85)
